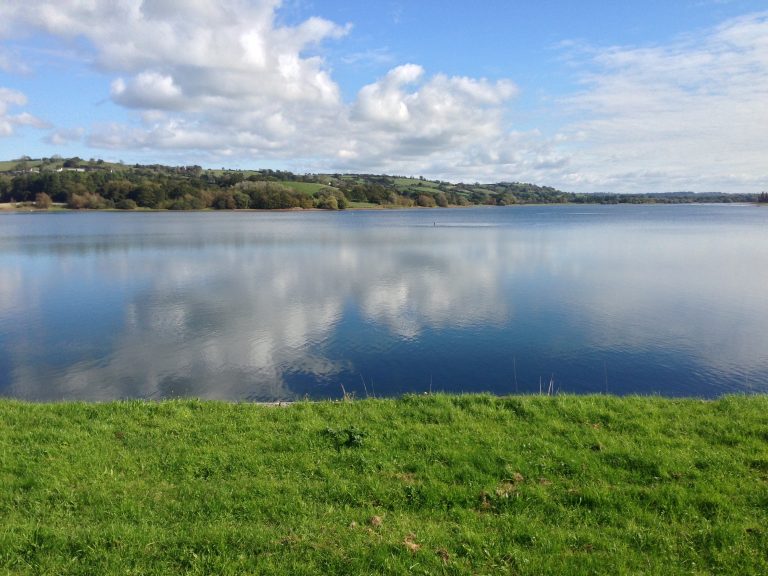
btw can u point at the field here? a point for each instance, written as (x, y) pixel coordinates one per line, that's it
(8, 165)
(410, 183)
(304, 187)
(51, 165)
(421, 484)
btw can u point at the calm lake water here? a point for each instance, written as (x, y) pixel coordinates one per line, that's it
(669, 300)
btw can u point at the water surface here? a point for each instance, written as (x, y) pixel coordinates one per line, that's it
(664, 300)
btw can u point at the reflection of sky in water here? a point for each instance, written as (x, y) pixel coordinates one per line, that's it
(278, 305)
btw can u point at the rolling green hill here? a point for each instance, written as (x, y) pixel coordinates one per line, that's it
(96, 184)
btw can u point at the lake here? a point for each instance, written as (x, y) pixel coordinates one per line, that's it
(264, 306)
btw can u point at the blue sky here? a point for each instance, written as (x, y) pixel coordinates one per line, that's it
(585, 96)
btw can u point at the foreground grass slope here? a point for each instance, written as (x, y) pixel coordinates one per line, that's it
(424, 485)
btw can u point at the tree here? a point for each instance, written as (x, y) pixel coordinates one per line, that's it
(331, 199)
(328, 203)
(426, 201)
(125, 204)
(242, 201)
(72, 162)
(148, 195)
(117, 190)
(42, 201)
(224, 201)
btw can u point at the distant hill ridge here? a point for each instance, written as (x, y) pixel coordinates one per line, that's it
(97, 184)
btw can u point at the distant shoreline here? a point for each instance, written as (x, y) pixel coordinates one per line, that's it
(95, 184)
(16, 207)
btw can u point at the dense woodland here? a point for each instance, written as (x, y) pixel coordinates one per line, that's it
(95, 184)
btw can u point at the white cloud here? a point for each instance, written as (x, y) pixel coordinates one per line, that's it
(371, 57)
(9, 122)
(12, 62)
(409, 124)
(148, 90)
(10, 97)
(385, 101)
(226, 80)
(686, 115)
(63, 136)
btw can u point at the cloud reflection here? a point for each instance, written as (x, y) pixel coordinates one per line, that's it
(670, 287)
(225, 320)
(244, 307)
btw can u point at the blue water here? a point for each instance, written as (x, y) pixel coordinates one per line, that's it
(666, 300)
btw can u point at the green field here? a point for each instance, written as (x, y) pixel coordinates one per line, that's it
(417, 184)
(8, 165)
(421, 484)
(53, 165)
(305, 187)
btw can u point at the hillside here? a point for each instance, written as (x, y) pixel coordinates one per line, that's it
(96, 184)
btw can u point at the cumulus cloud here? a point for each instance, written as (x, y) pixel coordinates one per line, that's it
(412, 122)
(385, 100)
(441, 107)
(148, 90)
(179, 55)
(226, 79)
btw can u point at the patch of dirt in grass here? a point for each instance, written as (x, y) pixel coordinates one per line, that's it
(410, 543)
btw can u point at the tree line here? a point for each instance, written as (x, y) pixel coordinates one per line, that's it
(78, 184)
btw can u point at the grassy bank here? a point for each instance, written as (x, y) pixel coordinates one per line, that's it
(424, 485)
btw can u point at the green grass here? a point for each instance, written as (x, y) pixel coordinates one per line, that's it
(416, 184)
(223, 171)
(8, 165)
(304, 187)
(421, 484)
(50, 166)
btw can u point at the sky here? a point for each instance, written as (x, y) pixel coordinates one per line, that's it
(587, 96)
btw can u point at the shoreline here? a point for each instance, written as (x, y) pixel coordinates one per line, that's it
(351, 399)
(11, 208)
